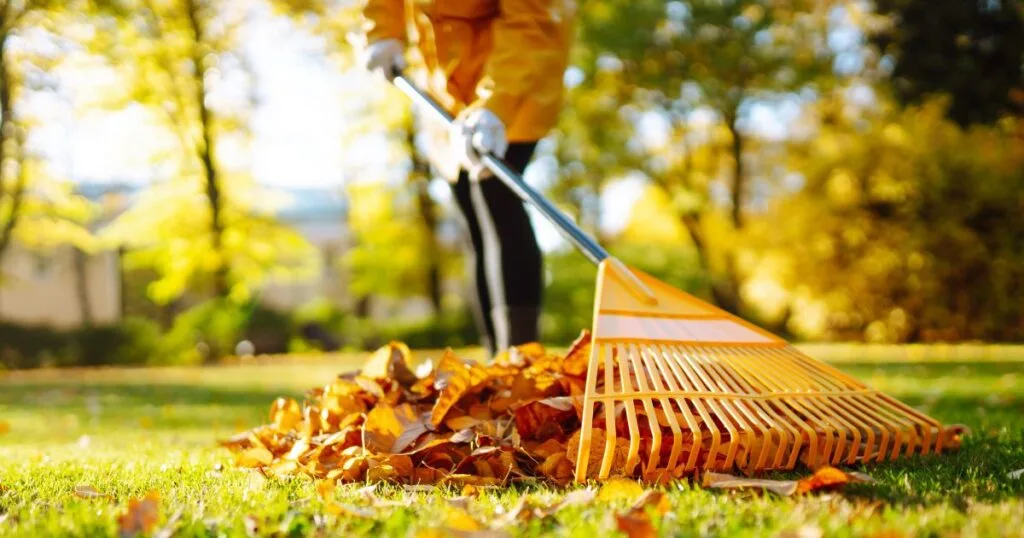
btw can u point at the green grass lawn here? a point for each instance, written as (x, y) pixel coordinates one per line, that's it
(130, 431)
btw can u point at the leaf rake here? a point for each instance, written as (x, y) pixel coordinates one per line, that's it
(683, 386)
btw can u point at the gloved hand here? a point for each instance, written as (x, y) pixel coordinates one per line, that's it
(478, 131)
(386, 55)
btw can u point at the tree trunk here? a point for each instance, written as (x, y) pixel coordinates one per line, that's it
(428, 215)
(729, 283)
(205, 152)
(738, 172)
(722, 292)
(82, 287)
(8, 137)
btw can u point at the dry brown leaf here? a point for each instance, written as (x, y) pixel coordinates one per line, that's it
(635, 525)
(285, 414)
(89, 492)
(255, 457)
(526, 510)
(578, 356)
(598, 438)
(390, 430)
(619, 488)
(325, 488)
(727, 481)
(392, 361)
(824, 478)
(636, 522)
(141, 516)
(454, 378)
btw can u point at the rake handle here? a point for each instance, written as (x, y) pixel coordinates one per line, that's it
(583, 242)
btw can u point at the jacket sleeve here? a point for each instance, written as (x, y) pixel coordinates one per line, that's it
(530, 52)
(384, 19)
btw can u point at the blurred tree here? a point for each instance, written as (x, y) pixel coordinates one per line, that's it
(676, 59)
(37, 206)
(384, 115)
(908, 227)
(591, 141)
(183, 59)
(970, 50)
(393, 219)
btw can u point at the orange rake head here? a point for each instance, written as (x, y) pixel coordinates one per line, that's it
(675, 385)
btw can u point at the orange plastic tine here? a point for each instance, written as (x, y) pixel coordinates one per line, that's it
(738, 408)
(788, 434)
(652, 417)
(806, 377)
(748, 364)
(932, 423)
(721, 401)
(657, 375)
(869, 414)
(633, 455)
(655, 356)
(755, 410)
(714, 403)
(807, 405)
(609, 410)
(664, 360)
(681, 371)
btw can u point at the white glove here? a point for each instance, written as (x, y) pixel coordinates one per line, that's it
(476, 132)
(386, 56)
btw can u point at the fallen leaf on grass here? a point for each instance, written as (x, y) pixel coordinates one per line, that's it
(5, 427)
(141, 516)
(526, 509)
(636, 522)
(255, 457)
(823, 478)
(89, 492)
(325, 488)
(458, 519)
(620, 488)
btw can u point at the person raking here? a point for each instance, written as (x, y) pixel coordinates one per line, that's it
(498, 66)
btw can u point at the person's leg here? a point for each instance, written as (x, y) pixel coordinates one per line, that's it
(481, 306)
(509, 256)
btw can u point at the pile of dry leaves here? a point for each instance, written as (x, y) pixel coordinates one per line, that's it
(459, 422)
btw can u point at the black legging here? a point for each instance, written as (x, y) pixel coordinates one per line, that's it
(505, 255)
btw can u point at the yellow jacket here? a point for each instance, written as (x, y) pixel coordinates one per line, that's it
(506, 55)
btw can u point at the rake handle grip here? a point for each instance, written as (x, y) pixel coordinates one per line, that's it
(583, 242)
